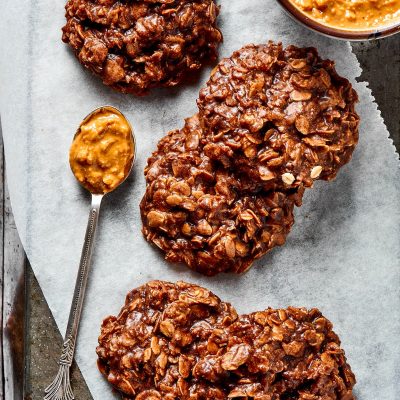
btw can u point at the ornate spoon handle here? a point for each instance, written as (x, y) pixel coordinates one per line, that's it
(60, 388)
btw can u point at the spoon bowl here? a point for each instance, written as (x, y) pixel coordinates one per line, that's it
(127, 168)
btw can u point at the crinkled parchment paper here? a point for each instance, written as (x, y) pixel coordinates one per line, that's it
(342, 255)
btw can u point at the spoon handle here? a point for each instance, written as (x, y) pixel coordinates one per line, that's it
(60, 388)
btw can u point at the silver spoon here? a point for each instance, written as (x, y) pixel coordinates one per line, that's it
(60, 388)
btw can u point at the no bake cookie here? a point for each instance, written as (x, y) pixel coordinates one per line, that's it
(283, 116)
(201, 214)
(221, 191)
(180, 341)
(137, 45)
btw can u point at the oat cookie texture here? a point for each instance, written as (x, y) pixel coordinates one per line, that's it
(136, 45)
(221, 191)
(181, 342)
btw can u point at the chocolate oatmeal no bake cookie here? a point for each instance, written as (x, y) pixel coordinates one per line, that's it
(181, 342)
(221, 191)
(136, 45)
(201, 214)
(284, 117)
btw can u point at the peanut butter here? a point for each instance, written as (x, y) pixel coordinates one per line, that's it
(102, 151)
(351, 14)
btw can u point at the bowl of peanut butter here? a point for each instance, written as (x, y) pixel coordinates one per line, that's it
(347, 19)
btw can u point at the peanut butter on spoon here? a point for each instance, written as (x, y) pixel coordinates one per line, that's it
(101, 158)
(102, 151)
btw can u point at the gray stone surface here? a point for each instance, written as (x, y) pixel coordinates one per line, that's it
(381, 67)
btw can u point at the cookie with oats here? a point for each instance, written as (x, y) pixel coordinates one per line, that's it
(181, 342)
(282, 116)
(137, 45)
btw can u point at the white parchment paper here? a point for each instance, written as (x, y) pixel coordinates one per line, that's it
(342, 255)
